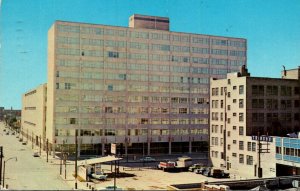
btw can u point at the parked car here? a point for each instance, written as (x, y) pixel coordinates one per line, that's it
(20, 140)
(110, 188)
(147, 159)
(99, 176)
(24, 143)
(7, 133)
(200, 170)
(218, 173)
(36, 154)
(195, 166)
(13, 133)
(207, 171)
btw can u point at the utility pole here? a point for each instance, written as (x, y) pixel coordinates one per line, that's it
(1, 156)
(65, 160)
(32, 139)
(40, 145)
(76, 153)
(262, 150)
(47, 149)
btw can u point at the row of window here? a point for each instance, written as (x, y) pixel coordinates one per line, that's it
(274, 90)
(288, 151)
(149, 35)
(141, 56)
(131, 88)
(124, 121)
(249, 158)
(129, 132)
(215, 103)
(215, 117)
(145, 67)
(215, 129)
(274, 103)
(271, 117)
(224, 91)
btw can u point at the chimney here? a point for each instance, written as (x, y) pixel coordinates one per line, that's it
(244, 71)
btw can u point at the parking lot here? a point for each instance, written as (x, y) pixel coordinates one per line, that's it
(30, 172)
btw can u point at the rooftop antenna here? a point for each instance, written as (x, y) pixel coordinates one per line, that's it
(284, 70)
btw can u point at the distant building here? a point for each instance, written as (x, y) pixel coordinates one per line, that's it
(143, 87)
(1, 113)
(9, 113)
(33, 121)
(243, 106)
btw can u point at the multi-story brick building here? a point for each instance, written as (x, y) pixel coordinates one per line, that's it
(144, 87)
(243, 106)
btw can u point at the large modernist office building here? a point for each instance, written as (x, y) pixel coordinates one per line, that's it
(243, 106)
(143, 86)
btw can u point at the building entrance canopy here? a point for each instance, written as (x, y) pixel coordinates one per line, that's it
(97, 160)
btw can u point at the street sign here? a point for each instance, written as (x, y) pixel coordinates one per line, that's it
(113, 148)
(263, 138)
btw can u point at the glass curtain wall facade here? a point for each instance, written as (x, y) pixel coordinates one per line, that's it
(145, 89)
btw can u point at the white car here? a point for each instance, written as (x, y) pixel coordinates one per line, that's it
(110, 188)
(99, 176)
(147, 159)
(36, 154)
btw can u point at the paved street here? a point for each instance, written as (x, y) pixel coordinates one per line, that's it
(28, 172)
(34, 173)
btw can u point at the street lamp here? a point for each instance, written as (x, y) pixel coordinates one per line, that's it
(4, 168)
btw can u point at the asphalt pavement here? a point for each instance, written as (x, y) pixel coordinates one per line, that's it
(25, 172)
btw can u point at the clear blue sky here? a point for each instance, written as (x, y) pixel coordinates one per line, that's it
(272, 28)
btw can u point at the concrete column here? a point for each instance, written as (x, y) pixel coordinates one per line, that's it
(190, 146)
(170, 147)
(78, 147)
(148, 145)
(103, 147)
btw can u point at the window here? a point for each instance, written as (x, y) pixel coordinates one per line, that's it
(67, 86)
(253, 146)
(241, 130)
(113, 54)
(241, 103)
(228, 147)
(234, 100)
(228, 133)
(257, 90)
(278, 150)
(241, 89)
(182, 110)
(234, 154)
(241, 145)
(248, 146)
(228, 81)
(72, 120)
(57, 85)
(108, 109)
(234, 127)
(241, 158)
(234, 87)
(258, 103)
(234, 141)
(241, 117)
(249, 160)
(110, 87)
